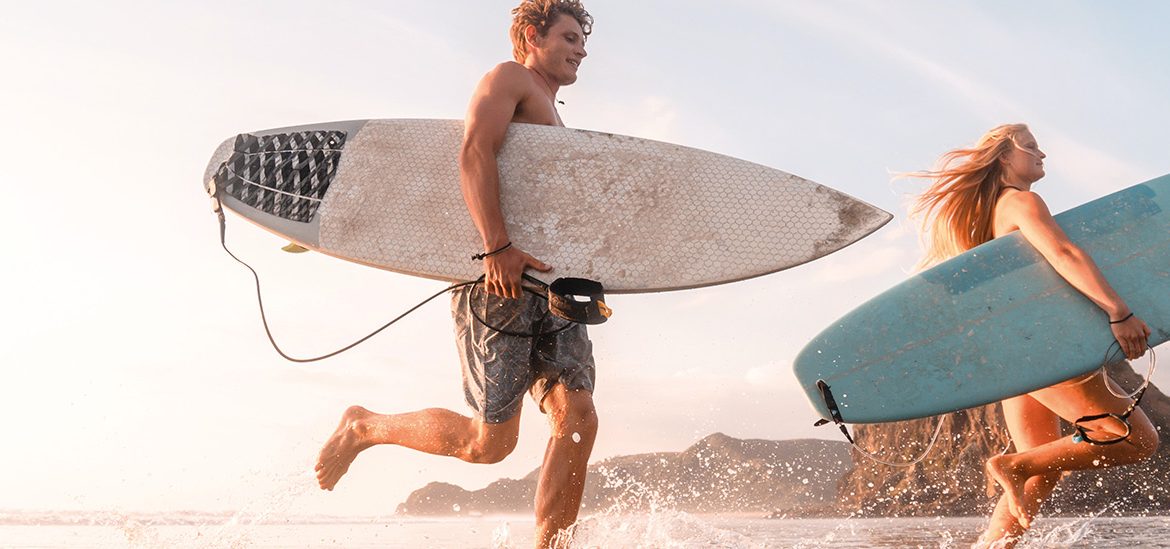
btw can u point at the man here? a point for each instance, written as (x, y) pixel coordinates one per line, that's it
(548, 38)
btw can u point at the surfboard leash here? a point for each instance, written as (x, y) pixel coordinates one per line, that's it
(835, 414)
(218, 207)
(559, 294)
(1081, 434)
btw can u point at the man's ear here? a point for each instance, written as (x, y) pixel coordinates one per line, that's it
(530, 35)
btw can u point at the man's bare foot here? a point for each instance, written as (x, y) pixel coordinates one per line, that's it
(1000, 470)
(341, 449)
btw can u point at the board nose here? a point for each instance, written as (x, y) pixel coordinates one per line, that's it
(220, 156)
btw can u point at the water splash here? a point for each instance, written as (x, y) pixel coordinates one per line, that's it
(500, 536)
(642, 516)
(1067, 534)
(657, 529)
(210, 530)
(237, 531)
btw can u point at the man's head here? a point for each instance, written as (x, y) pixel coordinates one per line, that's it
(553, 32)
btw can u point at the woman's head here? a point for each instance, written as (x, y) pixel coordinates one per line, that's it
(1023, 163)
(1005, 153)
(956, 209)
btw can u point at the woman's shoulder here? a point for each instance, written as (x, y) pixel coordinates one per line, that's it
(1018, 207)
(1017, 199)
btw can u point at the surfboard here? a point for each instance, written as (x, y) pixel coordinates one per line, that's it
(996, 321)
(634, 214)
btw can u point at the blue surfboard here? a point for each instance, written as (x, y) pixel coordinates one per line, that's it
(996, 321)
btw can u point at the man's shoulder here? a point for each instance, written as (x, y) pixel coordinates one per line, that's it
(508, 79)
(508, 71)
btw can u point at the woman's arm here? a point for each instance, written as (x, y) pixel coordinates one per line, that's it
(1028, 211)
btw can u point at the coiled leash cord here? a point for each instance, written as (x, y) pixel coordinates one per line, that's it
(1081, 434)
(591, 311)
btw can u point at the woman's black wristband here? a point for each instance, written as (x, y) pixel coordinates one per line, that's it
(1127, 317)
(480, 257)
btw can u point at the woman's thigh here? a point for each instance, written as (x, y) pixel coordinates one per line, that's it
(1072, 401)
(1029, 422)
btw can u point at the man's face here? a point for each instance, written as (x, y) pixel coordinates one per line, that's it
(558, 54)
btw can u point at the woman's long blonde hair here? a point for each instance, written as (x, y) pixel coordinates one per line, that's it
(956, 210)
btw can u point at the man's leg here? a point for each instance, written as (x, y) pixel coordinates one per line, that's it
(573, 422)
(434, 431)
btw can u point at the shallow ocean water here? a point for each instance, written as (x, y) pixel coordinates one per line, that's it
(649, 530)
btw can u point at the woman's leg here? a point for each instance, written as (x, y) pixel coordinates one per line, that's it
(1072, 401)
(1030, 424)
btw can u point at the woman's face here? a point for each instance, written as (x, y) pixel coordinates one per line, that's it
(1023, 163)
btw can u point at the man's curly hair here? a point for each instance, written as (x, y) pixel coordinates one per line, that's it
(541, 14)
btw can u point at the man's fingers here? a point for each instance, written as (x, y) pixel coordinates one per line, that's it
(502, 289)
(537, 264)
(504, 272)
(495, 285)
(498, 285)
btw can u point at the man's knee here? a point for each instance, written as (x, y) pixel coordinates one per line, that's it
(493, 443)
(572, 412)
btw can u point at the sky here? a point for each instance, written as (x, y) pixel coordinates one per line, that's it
(137, 376)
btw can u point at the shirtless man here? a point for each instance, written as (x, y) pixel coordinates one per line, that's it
(548, 39)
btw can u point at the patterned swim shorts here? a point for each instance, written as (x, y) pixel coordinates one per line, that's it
(499, 368)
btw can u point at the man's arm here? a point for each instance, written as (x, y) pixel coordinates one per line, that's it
(492, 108)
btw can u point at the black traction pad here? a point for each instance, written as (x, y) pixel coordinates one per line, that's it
(284, 174)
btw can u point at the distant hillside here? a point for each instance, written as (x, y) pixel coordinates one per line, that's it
(718, 474)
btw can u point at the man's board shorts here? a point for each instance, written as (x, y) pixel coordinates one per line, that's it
(499, 368)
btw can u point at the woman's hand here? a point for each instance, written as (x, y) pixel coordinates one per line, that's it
(1133, 335)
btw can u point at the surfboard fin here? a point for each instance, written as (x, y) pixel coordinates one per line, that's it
(294, 248)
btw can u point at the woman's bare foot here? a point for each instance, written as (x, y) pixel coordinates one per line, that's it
(341, 449)
(1006, 542)
(1000, 469)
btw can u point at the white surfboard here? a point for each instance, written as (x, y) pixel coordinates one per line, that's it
(635, 214)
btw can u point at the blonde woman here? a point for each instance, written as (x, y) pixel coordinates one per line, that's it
(985, 192)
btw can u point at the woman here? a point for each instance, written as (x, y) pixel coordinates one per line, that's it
(985, 192)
